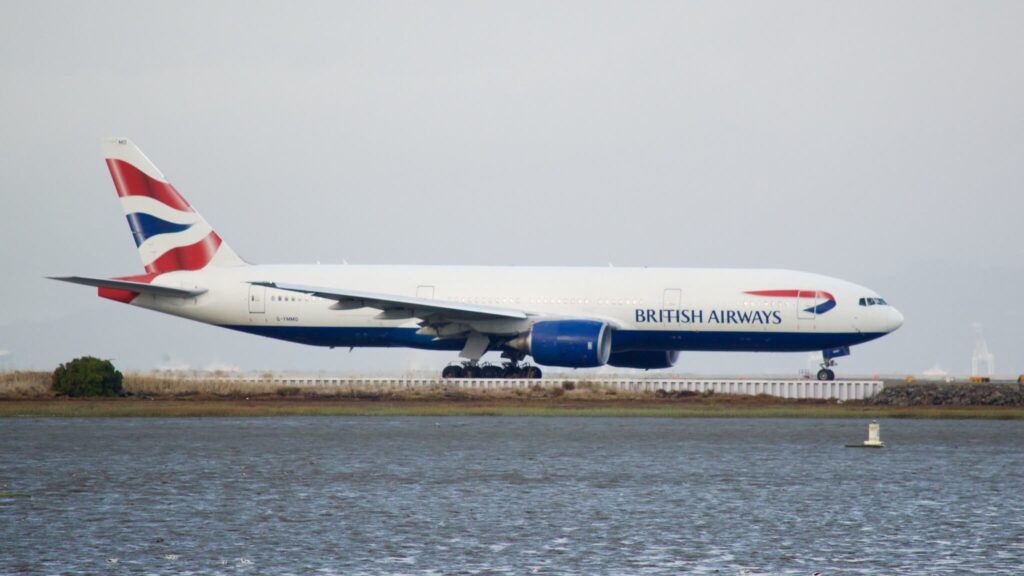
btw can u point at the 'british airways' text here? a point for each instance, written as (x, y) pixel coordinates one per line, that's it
(689, 316)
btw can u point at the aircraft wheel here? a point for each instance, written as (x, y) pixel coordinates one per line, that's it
(471, 371)
(826, 374)
(491, 371)
(452, 371)
(532, 372)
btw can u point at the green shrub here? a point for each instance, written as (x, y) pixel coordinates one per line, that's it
(87, 376)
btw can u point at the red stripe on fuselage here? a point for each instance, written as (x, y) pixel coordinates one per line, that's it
(191, 257)
(125, 296)
(791, 294)
(130, 181)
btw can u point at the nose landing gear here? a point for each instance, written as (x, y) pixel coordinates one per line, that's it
(828, 361)
(826, 373)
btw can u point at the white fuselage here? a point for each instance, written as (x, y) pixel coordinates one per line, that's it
(648, 308)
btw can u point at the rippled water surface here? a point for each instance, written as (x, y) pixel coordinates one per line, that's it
(509, 495)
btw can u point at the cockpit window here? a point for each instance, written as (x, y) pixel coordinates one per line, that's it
(873, 302)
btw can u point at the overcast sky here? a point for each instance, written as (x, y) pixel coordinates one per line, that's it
(879, 142)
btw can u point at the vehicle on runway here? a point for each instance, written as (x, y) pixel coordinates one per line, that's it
(574, 317)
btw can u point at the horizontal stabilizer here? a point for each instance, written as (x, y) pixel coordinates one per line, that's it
(139, 287)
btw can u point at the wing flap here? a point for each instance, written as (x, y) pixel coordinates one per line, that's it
(350, 299)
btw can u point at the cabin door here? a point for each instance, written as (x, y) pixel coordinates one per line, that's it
(257, 299)
(806, 313)
(672, 299)
(805, 303)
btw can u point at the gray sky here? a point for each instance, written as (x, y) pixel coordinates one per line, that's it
(880, 142)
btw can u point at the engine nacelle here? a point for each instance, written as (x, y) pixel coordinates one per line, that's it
(646, 359)
(567, 343)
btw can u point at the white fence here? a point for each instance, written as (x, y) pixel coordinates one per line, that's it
(835, 389)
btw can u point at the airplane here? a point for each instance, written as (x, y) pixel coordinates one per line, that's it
(568, 317)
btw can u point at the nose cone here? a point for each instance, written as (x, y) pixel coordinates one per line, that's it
(893, 319)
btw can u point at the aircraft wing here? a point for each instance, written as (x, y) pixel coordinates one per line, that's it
(140, 287)
(419, 307)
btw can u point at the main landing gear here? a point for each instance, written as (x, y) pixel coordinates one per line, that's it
(509, 370)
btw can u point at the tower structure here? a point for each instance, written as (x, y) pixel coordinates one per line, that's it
(982, 358)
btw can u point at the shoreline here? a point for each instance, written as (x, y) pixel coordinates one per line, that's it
(719, 407)
(28, 394)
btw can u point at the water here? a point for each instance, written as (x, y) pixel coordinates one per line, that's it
(509, 495)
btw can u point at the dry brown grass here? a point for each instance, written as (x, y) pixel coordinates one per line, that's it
(170, 386)
(25, 384)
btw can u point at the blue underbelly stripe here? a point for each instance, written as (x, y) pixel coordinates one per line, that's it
(622, 340)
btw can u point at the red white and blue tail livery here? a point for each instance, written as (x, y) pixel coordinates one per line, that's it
(169, 233)
(559, 316)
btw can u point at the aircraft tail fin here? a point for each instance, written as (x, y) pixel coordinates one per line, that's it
(168, 232)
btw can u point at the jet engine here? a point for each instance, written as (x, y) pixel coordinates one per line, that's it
(567, 343)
